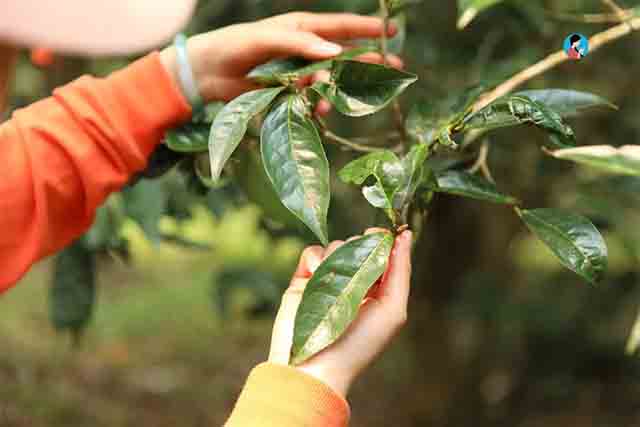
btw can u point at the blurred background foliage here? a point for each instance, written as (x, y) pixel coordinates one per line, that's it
(499, 332)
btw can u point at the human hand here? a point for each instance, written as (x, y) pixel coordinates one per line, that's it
(381, 315)
(222, 58)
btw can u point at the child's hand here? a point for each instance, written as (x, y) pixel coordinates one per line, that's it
(221, 59)
(379, 319)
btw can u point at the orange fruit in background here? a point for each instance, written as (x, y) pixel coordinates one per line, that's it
(42, 57)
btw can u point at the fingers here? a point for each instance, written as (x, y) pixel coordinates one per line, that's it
(310, 259)
(337, 26)
(394, 289)
(273, 43)
(375, 230)
(332, 247)
(376, 58)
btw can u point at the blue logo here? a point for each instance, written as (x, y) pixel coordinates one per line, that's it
(576, 46)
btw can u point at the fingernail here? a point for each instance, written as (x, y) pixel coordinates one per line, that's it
(327, 48)
(407, 235)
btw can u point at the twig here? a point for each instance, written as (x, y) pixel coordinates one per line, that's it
(350, 144)
(347, 142)
(590, 18)
(383, 38)
(615, 8)
(481, 163)
(611, 4)
(554, 59)
(398, 117)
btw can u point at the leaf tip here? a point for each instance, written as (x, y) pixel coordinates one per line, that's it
(466, 18)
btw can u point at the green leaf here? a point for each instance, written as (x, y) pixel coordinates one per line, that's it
(414, 175)
(623, 160)
(146, 203)
(282, 70)
(231, 124)
(572, 238)
(469, 9)
(567, 103)
(188, 138)
(434, 120)
(396, 181)
(207, 114)
(332, 297)
(388, 172)
(274, 72)
(72, 293)
(253, 180)
(358, 88)
(516, 110)
(296, 164)
(467, 185)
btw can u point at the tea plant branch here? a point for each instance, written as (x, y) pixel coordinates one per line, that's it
(398, 117)
(596, 42)
(481, 163)
(347, 143)
(611, 4)
(590, 18)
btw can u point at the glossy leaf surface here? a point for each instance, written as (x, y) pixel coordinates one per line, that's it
(188, 138)
(358, 88)
(516, 110)
(332, 297)
(279, 70)
(572, 238)
(468, 185)
(469, 9)
(296, 164)
(567, 103)
(431, 121)
(623, 160)
(231, 124)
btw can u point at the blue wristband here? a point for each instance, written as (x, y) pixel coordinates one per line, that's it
(185, 73)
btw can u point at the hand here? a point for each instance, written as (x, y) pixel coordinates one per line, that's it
(381, 315)
(221, 59)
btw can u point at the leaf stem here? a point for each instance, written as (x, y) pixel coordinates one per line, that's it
(347, 143)
(350, 144)
(481, 164)
(554, 59)
(398, 117)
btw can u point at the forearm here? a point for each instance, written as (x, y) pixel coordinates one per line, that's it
(61, 157)
(282, 396)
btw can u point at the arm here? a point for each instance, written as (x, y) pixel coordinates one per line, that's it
(313, 394)
(61, 157)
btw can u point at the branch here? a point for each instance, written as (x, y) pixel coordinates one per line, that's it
(347, 143)
(481, 163)
(615, 8)
(556, 58)
(398, 117)
(590, 18)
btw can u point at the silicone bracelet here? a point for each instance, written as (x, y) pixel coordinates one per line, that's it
(185, 73)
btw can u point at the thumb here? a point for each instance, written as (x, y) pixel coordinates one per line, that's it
(282, 335)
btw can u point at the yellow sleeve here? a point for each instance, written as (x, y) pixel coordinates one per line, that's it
(282, 396)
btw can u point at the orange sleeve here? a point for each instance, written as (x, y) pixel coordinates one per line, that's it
(62, 156)
(282, 396)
